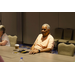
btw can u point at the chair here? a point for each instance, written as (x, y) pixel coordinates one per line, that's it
(66, 36)
(66, 49)
(73, 41)
(58, 35)
(13, 40)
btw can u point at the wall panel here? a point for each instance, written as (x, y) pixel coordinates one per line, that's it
(67, 19)
(50, 18)
(30, 27)
(9, 20)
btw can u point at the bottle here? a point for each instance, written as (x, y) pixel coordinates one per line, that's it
(21, 59)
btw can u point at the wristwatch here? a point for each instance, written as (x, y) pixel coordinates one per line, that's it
(39, 51)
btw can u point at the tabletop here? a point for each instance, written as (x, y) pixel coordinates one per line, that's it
(9, 55)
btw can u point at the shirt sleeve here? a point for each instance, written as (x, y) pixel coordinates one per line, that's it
(51, 43)
(4, 37)
(36, 39)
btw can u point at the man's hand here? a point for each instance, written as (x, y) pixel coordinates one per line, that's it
(33, 51)
(30, 52)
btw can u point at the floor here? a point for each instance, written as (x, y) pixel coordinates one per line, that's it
(25, 46)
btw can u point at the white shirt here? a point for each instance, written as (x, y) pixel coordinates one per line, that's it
(47, 42)
(5, 37)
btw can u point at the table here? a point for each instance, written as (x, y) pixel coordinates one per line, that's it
(8, 56)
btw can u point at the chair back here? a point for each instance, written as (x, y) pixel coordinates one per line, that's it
(58, 33)
(67, 34)
(74, 34)
(66, 49)
(13, 40)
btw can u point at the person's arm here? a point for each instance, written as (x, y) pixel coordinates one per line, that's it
(37, 51)
(45, 50)
(3, 43)
(32, 48)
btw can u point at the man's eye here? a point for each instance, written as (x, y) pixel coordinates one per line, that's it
(44, 29)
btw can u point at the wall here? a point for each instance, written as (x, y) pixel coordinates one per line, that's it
(33, 21)
(30, 27)
(9, 20)
(0, 18)
(19, 26)
(51, 18)
(13, 23)
(67, 20)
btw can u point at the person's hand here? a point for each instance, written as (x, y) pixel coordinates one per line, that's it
(33, 51)
(30, 52)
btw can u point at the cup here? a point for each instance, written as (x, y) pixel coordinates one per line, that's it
(16, 46)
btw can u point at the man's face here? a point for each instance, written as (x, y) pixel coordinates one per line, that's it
(45, 31)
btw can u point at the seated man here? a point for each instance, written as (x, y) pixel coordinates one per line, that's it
(44, 41)
(4, 41)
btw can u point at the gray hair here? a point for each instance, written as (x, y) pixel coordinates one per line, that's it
(48, 26)
(2, 28)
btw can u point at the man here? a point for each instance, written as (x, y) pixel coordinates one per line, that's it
(4, 41)
(44, 41)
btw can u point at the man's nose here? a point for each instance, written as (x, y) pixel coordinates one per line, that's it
(42, 30)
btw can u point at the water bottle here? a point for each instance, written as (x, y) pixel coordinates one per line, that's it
(21, 59)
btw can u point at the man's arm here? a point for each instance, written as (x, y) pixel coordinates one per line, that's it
(32, 48)
(42, 50)
(3, 43)
(45, 50)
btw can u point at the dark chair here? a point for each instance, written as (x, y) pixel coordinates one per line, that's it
(66, 36)
(58, 35)
(73, 41)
